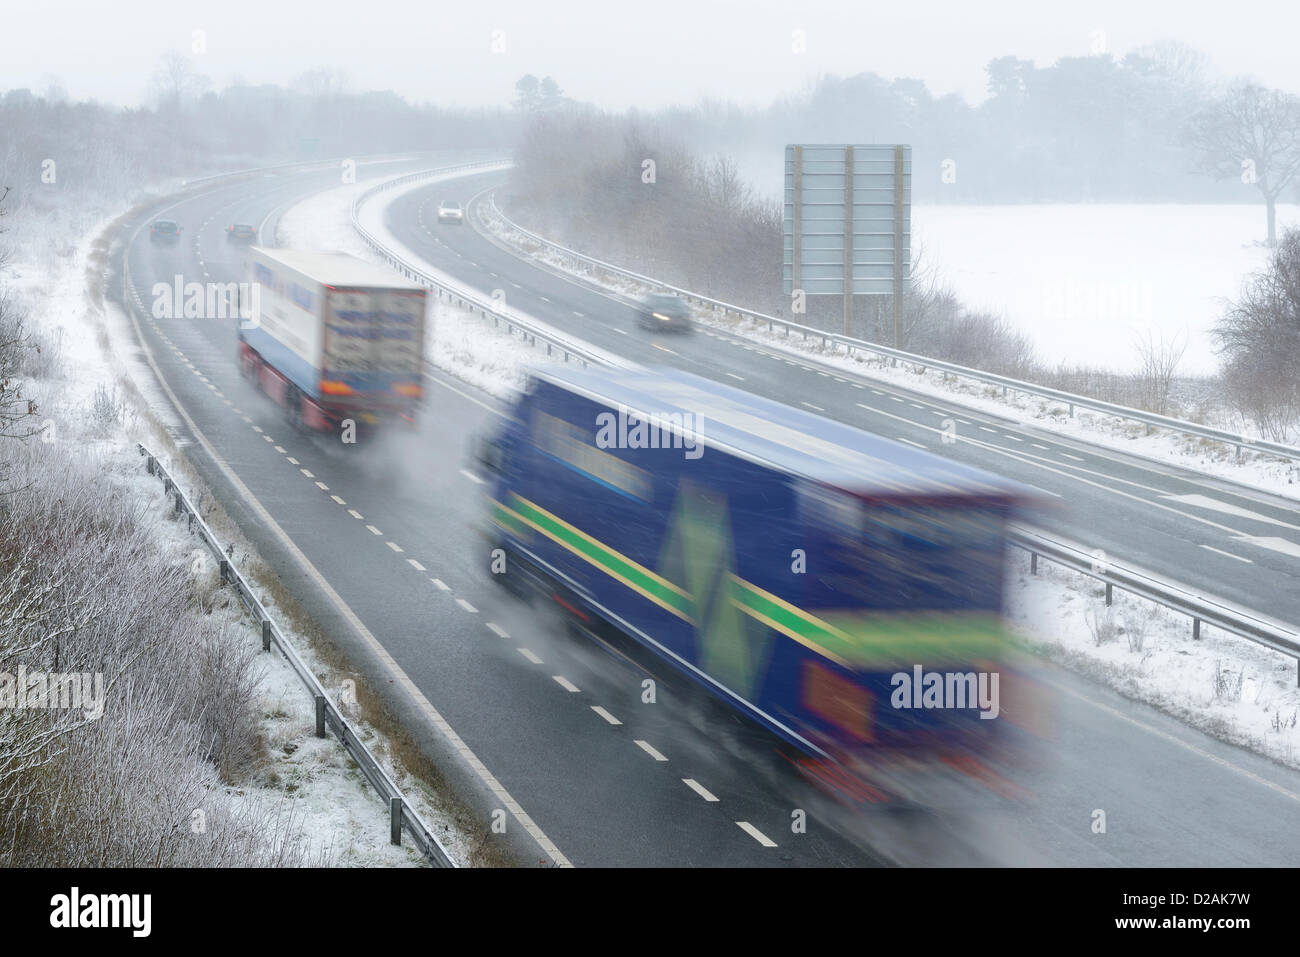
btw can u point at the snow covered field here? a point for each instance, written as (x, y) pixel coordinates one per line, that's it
(1083, 280)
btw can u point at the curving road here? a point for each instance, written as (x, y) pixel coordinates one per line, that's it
(380, 545)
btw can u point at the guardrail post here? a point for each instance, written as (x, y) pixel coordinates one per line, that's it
(1033, 563)
(320, 716)
(1196, 629)
(225, 570)
(1072, 410)
(1108, 594)
(266, 634)
(395, 821)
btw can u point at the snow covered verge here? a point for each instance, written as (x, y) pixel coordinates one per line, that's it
(459, 343)
(1225, 686)
(205, 753)
(1269, 473)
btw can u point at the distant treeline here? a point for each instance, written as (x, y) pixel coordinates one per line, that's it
(1085, 129)
(89, 148)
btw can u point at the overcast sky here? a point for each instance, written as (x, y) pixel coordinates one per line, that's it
(615, 53)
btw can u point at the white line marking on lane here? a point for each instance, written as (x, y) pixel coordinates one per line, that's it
(1275, 544)
(322, 486)
(471, 476)
(738, 378)
(373, 530)
(1075, 457)
(416, 565)
(1219, 551)
(497, 630)
(910, 442)
(529, 655)
(337, 500)
(307, 473)
(699, 789)
(355, 514)
(395, 547)
(1214, 505)
(650, 750)
(605, 714)
(294, 461)
(816, 408)
(565, 683)
(467, 606)
(442, 585)
(756, 834)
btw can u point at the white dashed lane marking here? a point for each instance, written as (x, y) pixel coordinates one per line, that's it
(565, 683)
(756, 834)
(1210, 548)
(529, 655)
(605, 714)
(395, 547)
(467, 606)
(497, 630)
(699, 789)
(416, 565)
(649, 749)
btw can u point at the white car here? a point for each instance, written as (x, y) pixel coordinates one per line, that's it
(449, 212)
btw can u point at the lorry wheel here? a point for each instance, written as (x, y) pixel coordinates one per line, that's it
(293, 408)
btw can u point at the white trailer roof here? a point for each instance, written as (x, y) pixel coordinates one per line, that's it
(338, 268)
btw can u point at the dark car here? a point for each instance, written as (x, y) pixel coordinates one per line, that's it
(165, 232)
(668, 313)
(241, 233)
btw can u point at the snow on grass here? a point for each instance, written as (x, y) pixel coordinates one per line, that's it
(1226, 686)
(1082, 279)
(89, 398)
(1269, 473)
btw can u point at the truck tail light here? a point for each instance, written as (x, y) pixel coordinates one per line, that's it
(408, 389)
(330, 387)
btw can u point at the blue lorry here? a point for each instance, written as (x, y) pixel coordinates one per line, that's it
(841, 589)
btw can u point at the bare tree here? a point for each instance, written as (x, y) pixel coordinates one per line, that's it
(324, 84)
(1254, 133)
(1259, 337)
(175, 81)
(1159, 360)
